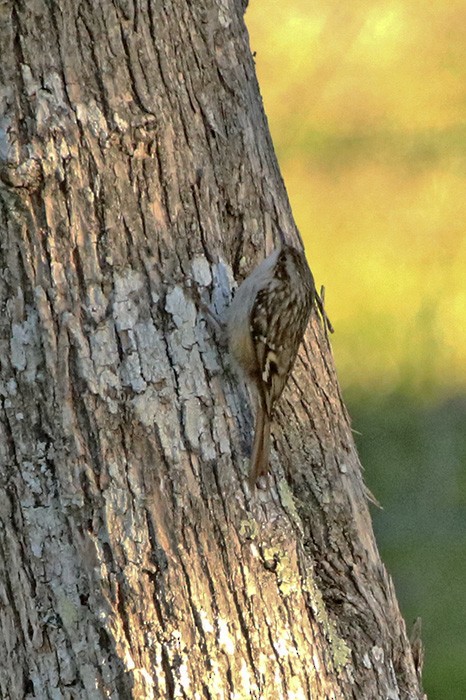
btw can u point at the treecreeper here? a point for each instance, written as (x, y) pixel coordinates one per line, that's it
(266, 324)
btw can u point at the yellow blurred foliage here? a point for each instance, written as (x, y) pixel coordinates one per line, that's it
(367, 107)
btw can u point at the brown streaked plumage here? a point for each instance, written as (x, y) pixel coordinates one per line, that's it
(267, 321)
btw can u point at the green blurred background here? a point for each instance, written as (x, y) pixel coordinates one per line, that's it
(367, 106)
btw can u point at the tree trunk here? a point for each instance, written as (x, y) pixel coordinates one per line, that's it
(137, 176)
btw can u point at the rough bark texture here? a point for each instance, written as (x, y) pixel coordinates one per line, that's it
(135, 160)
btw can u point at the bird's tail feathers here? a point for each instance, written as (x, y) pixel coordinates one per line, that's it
(261, 447)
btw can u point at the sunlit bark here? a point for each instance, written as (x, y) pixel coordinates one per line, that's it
(136, 175)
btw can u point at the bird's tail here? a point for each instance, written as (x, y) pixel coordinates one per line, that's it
(261, 446)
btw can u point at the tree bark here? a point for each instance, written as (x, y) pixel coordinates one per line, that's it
(137, 176)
